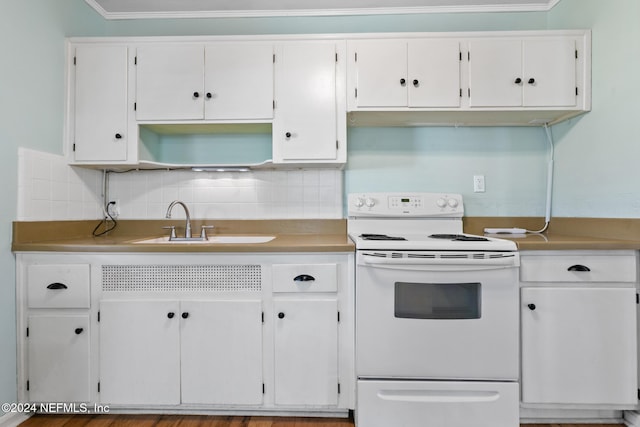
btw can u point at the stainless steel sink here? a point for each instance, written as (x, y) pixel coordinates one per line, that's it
(211, 240)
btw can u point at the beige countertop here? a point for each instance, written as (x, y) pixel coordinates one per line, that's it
(76, 236)
(310, 235)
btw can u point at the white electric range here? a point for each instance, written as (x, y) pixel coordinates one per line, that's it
(436, 315)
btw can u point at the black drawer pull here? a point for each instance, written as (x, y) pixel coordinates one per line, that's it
(304, 278)
(78, 331)
(170, 314)
(578, 267)
(185, 315)
(281, 315)
(531, 306)
(57, 285)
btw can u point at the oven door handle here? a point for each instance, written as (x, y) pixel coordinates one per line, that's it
(439, 263)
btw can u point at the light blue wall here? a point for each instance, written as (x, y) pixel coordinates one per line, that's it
(31, 105)
(596, 154)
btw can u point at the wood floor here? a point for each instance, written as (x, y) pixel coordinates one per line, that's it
(107, 420)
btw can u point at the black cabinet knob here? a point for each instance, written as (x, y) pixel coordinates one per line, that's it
(531, 306)
(185, 315)
(518, 81)
(118, 136)
(578, 267)
(78, 331)
(170, 314)
(281, 315)
(416, 82)
(288, 135)
(209, 95)
(196, 95)
(403, 82)
(531, 81)
(57, 285)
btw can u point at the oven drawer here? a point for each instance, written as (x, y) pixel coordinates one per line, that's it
(305, 277)
(58, 286)
(580, 268)
(437, 403)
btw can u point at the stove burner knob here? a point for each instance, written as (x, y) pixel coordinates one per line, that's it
(452, 203)
(359, 202)
(441, 203)
(370, 203)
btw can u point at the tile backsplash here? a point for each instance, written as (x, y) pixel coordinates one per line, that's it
(268, 194)
(49, 189)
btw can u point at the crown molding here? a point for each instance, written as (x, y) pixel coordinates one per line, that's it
(254, 13)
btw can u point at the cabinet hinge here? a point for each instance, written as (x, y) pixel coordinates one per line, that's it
(98, 317)
(98, 386)
(27, 332)
(28, 386)
(338, 388)
(263, 388)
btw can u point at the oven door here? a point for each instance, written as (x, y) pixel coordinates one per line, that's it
(437, 317)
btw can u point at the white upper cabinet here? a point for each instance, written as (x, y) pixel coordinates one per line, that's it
(401, 73)
(309, 124)
(522, 73)
(98, 120)
(213, 82)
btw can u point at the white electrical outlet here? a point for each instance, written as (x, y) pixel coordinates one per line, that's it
(478, 184)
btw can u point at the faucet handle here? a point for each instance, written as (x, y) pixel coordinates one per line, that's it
(203, 231)
(173, 231)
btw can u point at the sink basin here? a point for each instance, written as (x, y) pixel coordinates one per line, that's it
(212, 240)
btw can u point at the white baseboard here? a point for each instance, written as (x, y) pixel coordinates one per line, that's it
(13, 419)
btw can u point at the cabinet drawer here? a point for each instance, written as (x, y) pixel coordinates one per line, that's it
(305, 277)
(58, 286)
(578, 268)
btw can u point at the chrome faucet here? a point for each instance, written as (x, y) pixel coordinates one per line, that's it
(187, 230)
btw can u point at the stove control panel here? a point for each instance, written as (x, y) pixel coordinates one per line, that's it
(405, 205)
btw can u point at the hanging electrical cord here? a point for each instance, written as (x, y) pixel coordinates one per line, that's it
(106, 214)
(547, 216)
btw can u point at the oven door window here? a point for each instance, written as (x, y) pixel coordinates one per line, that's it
(437, 300)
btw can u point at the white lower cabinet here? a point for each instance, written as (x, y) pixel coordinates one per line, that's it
(579, 334)
(203, 352)
(188, 332)
(58, 358)
(306, 351)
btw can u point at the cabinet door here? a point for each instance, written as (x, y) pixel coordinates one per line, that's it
(305, 122)
(100, 124)
(239, 81)
(549, 75)
(306, 352)
(58, 358)
(170, 82)
(494, 69)
(434, 73)
(139, 352)
(381, 68)
(579, 346)
(221, 345)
